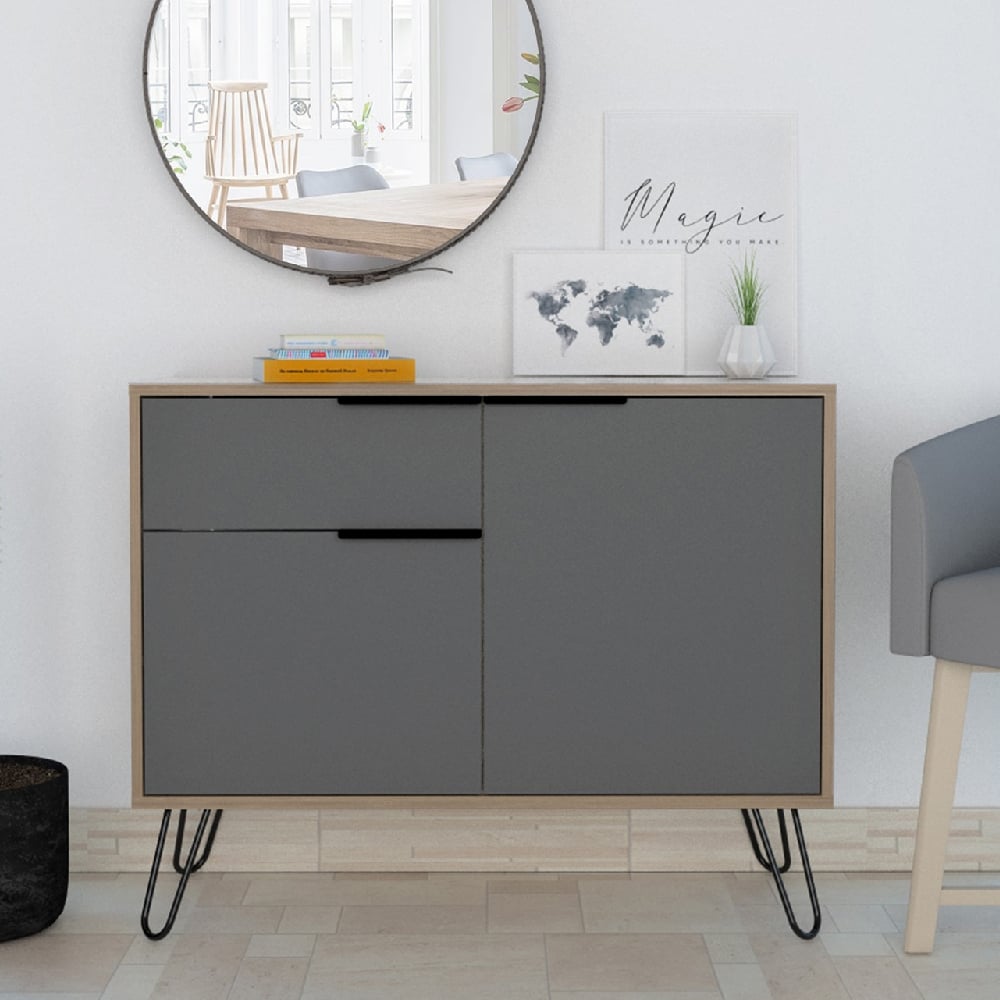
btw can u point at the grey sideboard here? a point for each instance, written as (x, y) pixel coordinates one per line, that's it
(505, 593)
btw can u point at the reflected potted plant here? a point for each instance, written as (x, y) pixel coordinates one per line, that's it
(746, 351)
(34, 843)
(359, 140)
(176, 153)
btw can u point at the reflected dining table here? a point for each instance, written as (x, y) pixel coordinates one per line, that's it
(400, 223)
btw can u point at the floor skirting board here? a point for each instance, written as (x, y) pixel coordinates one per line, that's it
(450, 840)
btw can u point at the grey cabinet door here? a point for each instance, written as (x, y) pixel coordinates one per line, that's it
(235, 463)
(297, 663)
(652, 588)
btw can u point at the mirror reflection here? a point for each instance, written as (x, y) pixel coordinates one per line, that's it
(344, 136)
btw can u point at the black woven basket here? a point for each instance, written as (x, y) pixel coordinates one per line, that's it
(34, 843)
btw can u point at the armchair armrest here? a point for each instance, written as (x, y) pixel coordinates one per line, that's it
(945, 521)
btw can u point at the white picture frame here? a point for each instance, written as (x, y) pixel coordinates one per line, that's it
(716, 186)
(598, 313)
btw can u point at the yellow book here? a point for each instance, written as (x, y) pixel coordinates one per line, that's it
(325, 370)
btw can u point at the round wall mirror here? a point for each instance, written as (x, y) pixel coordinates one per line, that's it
(351, 138)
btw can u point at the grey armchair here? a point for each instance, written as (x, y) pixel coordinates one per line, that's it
(945, 591)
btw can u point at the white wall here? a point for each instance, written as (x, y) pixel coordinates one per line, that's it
(109, 277)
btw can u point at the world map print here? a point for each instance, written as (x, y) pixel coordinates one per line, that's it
(599, 313)
(610, 312)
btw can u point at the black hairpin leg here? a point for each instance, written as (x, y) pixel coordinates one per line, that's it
(767, 861)
(190, 866)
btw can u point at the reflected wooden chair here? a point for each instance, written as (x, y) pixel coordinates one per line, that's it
(946, 604)
(477, 168)
(241, 151)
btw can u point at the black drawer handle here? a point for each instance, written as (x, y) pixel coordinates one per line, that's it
(556, 400)
(352, 534)
(409, 400)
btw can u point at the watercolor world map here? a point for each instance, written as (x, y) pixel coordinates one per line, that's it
(571, 308)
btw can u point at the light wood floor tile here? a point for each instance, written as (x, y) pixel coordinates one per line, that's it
(281, 946)
(61, 963)
(428, 967)
(876, 979)
(413, 920)
(838, 945)
(230, 920)
(795, 970)
(133, 982)
(743, 982)
(269, 979)
(861, 918)
(726, 949)
(462, 891)
(660, 904)
(645, 995)
(629, 962)
(301, 890)
(108, 906)
(201, 967)
(51, 996)
(310, 920)
(959, 984)
(534, 913)
(502, 936)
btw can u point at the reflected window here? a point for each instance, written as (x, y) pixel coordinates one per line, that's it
(178, 67)
(332, 74)
(403, 56)
(324, 59)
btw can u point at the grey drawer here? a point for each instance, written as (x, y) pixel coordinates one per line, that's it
(297, 663)
(235, 463)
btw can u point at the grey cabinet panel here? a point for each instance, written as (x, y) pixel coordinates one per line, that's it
(652, 597)
(308, 463)
(284, 663)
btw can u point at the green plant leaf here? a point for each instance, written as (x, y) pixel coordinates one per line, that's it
(531, 85)
(530, 57)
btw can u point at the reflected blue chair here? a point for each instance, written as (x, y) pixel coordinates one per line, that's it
(474, 168)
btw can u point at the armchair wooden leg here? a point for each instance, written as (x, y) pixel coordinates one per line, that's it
(937, 795)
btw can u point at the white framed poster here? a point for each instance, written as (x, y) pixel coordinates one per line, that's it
(598, 313)
(717, 187)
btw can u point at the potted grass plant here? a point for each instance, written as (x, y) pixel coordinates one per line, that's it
(34, 843)
(746, 351)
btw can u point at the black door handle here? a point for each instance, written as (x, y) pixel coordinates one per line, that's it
(409, 400)
(352, 534)
(556, 400)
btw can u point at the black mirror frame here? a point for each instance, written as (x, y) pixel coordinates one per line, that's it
(359, 277)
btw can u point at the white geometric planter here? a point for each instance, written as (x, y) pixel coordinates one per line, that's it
(746, 352)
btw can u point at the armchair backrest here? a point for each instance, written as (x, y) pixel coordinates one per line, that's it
(945, 522)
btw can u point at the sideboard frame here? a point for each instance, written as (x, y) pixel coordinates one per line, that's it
(576, 388)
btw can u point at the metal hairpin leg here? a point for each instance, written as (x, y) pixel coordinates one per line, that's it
(767, 861)
(191, 865)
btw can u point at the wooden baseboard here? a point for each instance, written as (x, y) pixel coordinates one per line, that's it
(406, 840)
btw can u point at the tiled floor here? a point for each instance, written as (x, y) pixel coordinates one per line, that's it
(498, 937)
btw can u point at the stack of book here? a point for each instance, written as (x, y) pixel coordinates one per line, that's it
(359, 357)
